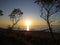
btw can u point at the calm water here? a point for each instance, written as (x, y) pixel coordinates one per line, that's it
(56, 28)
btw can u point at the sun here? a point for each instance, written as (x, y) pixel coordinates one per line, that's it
(27, 24)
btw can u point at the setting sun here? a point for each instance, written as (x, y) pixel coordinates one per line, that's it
(28, 24)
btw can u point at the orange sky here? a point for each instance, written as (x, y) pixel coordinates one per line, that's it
(23, 23)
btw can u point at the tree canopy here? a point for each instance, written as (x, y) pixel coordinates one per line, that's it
(15, 16)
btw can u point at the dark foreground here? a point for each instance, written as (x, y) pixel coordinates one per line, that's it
(15, 37)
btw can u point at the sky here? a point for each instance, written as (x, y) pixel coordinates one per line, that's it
(31, 11)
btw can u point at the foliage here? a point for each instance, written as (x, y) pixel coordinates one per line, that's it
(15, 16)
(48, 6)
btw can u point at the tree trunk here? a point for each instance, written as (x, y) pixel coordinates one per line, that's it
(49, 26)
(15, 23)
(50, 29)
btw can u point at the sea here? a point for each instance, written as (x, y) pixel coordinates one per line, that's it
(55, 28)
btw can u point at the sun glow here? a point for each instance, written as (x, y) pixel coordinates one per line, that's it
(28, 24)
